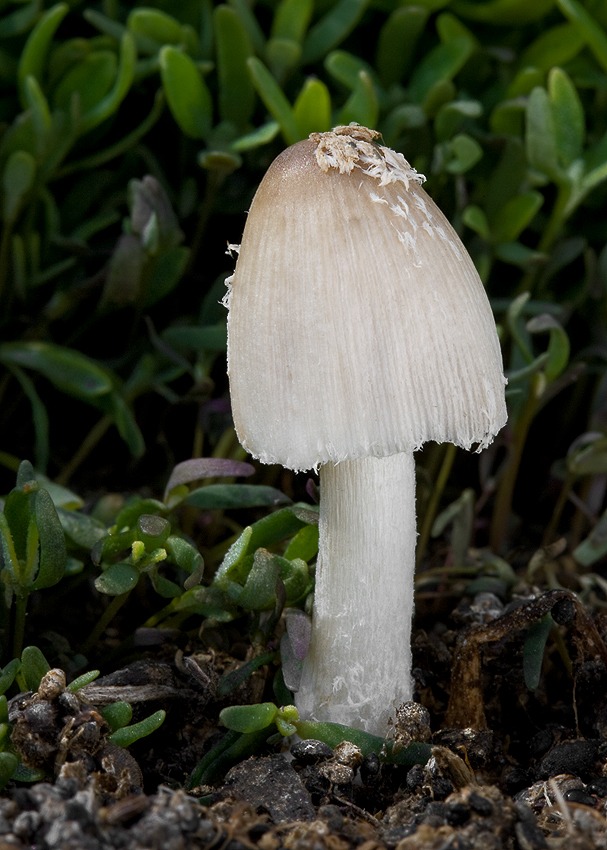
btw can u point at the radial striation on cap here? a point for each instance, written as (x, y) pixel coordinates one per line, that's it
(358, 325)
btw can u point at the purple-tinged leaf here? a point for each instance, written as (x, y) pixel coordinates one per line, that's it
(313, 490)
(207, 467)
(291, 666)
(299, 630)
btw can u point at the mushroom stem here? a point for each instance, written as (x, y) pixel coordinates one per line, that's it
(358, 667)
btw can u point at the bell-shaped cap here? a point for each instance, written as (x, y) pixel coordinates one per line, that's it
(358, 324)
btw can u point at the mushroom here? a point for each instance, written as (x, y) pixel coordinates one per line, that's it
(358, 329)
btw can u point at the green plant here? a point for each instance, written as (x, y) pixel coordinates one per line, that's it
(252, 578)
(29, 671)
(485, 126)
(250, 725)
(33, 548)
(141, 537)
(535, 380)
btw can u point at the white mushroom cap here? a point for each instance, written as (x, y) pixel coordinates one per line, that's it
(358, 325)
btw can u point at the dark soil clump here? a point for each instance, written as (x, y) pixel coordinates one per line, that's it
(532, 772)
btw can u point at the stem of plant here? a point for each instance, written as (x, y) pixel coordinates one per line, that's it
(557, 638)
(561, 211)
(4, 255)
(198, 442)
(228, 446)
(19, 627)
(550, 532)
(86, 447)
(584, 518)
(90, 163)
(104, 621)
(215, 180)
(505, 490)
(437, 492)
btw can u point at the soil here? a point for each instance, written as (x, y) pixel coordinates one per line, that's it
(511, 766)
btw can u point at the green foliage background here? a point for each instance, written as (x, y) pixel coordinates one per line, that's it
(133, 139)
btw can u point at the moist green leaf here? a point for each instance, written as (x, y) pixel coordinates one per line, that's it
(187, 94)
(332, 28)
(362, 106)
(127, 735)
(589, 28)
(33, 667)
(17, 180)
(569, 120)
(397, 40)
(541, 134)
(53, 553)
(222, 496)
(441, 64)
(533, 651)
(117, 715)
(91, 79)
(236, 92)
(248, 718)
(155, 25)
(275, 101)
(33, 56)
(110, 103)
(67, 369)
(291, 19)
(117, 579)
(554, 47)
(515, 215)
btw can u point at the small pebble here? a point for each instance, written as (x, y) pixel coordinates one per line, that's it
(272, 783)
(257, 830)
(311, 751)
(235, 844)
(578, 795)
(480, 805)
(396, 833)
(76, 811)
(52, 684)
(516, 779)
(457, 814)
(10, 842)
(333, 816)
(412, 724)
(26, 824)
(40, 715)
(348, 754)
(23, 799)
(540, 743)
(598, 786)
(336, 773)
(436, 813)
(67, 786)
(421, 806)
(530, 836)
(315, 783)
(575, 757)
(416, 777)
(369, 769)
(563, 611)
(441, 787)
